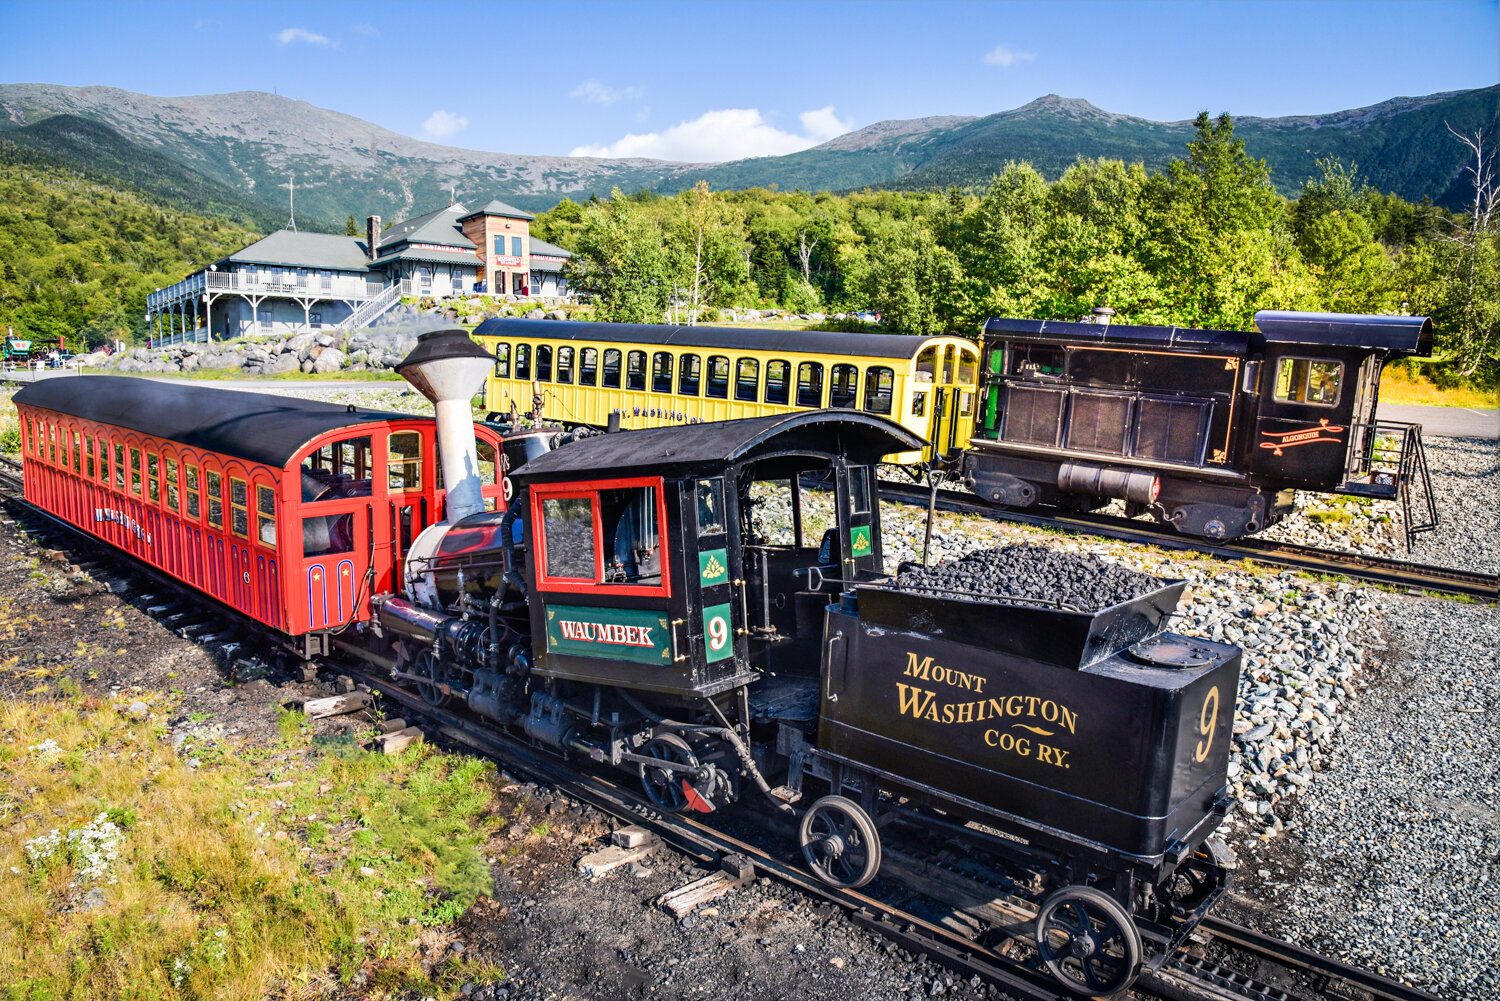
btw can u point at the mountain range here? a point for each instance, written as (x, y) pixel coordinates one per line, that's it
(231, 154)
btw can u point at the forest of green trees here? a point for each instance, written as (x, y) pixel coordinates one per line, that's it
(1205, 242)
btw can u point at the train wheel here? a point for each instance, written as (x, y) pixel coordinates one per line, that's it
(1087, 941)
(840, 843)
(663, 786)
(427, 666)
(1191, 884)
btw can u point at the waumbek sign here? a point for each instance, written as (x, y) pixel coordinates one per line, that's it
(608, 633)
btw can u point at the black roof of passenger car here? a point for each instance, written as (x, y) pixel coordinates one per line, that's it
(862, 437)
(257, 427)
(746, 338)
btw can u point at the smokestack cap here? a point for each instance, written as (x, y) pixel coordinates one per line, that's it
(445, 365)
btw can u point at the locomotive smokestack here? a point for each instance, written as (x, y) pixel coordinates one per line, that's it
(448, 369)
(1102, 315)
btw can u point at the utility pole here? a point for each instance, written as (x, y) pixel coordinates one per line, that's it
(291, 194)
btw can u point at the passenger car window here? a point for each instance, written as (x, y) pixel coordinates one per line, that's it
(635, 371)
(135, 471)
(153, 470)
(843, 386)
(502, 361)
(339, 469)
(1303, 380)
(543, 363)
(215, 500)
(239, 508)
(405, 469)
(718, 377)
(968, 361)
(661, 372)
(611, 369)
(588, 369)
(565, 365)
(689, 375)
(927, 364)
(523, 361)
(778, 382)
(880, 383)
(265, 507)
(747, 380)
(190, 476)
(568, 534)
(810, 384)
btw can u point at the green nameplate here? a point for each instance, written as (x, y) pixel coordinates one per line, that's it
(609, 633)
(718, 633)
(859, 541)
(713, 567)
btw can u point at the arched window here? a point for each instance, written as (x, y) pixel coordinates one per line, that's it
(661, 372)
(747, 380)
(948, 365)
(968, 361)
(612, 369)
(927, 365)
(810, 384)
(843, 386)
(588, 368)
(778, 382)
(502, 361)
(880, 384)
(718, 377)
(543, 363)
(635, 371)
(523, 361)
(565, 365)
(689, 375)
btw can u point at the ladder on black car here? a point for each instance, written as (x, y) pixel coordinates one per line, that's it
(1392, 462)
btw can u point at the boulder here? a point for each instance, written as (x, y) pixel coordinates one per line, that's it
(557, 314)
(188, 363)
(282, 363)
(257, 356)
(301, 342)
(329, 360)
(536, 314)
(127, 364)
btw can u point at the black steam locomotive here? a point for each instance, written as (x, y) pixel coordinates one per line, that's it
(706, 607)
(1210, 431)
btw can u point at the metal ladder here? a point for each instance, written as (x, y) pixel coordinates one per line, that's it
(1395, 469)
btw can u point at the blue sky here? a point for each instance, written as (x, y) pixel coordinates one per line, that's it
(706, 81)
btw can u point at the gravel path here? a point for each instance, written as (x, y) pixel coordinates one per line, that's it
(1466, 484)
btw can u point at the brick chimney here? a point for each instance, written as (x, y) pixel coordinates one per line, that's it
(372, 236)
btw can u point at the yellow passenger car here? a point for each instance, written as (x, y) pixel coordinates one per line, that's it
(657, 375)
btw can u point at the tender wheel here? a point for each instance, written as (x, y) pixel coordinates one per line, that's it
(663, 786)
(840, 843)
(1190, 884)
(1087, 941)
(427, 666)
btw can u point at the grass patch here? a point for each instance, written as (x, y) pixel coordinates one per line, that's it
(260, 872)
(1397, 385)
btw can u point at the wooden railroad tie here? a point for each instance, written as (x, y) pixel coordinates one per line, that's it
(735, 871)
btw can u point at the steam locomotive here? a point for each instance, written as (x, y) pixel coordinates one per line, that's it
(666, 601)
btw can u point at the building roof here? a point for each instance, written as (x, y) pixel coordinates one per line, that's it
(550, 249)
(862, 437)
(430, 256)
(540, 265)
(499, 208)
(289, 249)
(731, 338)
(256, 427)
(434, 227)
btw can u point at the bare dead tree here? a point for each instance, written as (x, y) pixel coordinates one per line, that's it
(804, 251)
(1477, 333)
(1482, 171)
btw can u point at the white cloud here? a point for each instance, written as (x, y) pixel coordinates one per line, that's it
(442, 124)
(597, 93)
(730, 134)
(1004, 56)
(289, 35)
(368, 30)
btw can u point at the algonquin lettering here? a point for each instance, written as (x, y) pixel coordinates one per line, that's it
(605, 632)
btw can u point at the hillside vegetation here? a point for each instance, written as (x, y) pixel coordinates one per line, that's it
(79, 254)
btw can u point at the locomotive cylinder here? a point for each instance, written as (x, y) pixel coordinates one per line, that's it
(1126, 484)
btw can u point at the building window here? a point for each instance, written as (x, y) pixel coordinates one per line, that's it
(515, 246)
(239, 508)
(406, 461)
(499, 246)
(880, 385)
(747, 380)
(843, 386)
(325, 278)
(543, 363)
(689, 374)
(778, 382)
(661, 372)
(265, 507)
(810, 384)
(1303, 380)
(718, 377)
(523, 361)
(215, 500)
(174, 498)
(611, 369)
(635, 371)
(565, 365)
(424, 273)
(502, 361)
(588, 371)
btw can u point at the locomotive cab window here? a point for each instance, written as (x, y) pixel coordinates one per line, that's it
(632, 541)
(568, 538)
(608, 538)
(1038, 361)
(1306, 380)
(711, 506)
(488, 468)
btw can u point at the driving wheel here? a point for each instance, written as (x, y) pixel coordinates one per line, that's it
(663, 786)
(840, 843)
(1087, 941)
(428, 668)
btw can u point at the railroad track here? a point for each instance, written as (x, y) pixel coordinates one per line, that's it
(1256, 968)
(1375, 569)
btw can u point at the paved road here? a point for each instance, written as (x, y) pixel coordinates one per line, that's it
(1456, 422)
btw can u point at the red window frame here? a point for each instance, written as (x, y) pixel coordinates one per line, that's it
(591, 490)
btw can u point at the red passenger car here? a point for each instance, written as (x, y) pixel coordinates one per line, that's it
(291, 511)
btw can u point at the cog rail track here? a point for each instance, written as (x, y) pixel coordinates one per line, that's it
(1375, 569)
(1185, 977)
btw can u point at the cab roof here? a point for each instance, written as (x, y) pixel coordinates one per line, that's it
(674, 451)
(257, 427)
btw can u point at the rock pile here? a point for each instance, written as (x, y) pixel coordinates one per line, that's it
(1034, 573)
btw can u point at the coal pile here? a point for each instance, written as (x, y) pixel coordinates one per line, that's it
(1032, 573)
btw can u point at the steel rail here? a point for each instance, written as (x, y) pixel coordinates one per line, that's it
(1376, 569)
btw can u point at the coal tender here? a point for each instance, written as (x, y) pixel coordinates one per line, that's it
(1038, 694)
